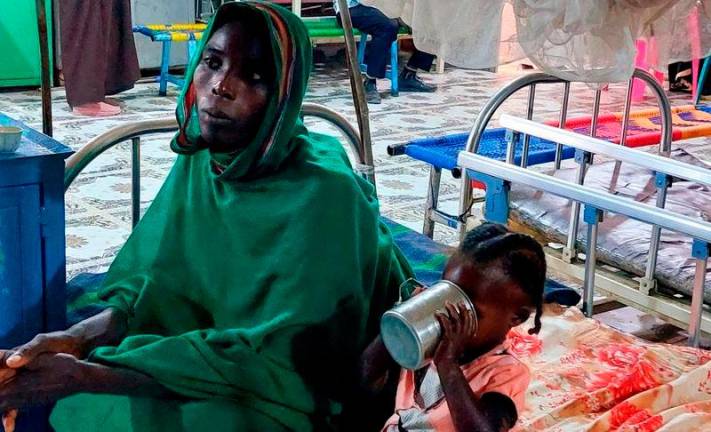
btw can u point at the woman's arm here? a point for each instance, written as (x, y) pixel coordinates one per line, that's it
(376, 365)
(50, 377)
(96, 378)
(105, 328)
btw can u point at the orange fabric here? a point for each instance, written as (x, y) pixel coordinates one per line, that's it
(497, 371)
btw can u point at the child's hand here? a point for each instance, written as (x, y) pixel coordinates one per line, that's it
(420, 289)
(457, 330)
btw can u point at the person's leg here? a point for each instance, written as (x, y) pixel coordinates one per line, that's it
(382, 30)
(409, 81)
(420, 61)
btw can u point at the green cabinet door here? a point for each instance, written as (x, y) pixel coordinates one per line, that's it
(19, 42)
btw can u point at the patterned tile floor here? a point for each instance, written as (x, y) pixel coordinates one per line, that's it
(98, 213)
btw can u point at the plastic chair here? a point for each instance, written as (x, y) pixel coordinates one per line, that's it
(392, 72)
(166, 35)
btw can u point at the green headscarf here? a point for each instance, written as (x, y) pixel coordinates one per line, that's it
(254, 280)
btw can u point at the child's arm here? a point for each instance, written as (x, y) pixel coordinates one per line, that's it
(489, 413)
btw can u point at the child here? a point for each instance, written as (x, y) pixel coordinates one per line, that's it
(483, 386)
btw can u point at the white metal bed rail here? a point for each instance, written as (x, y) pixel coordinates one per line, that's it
(595, 204)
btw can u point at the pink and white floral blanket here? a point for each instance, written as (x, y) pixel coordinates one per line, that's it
(586, 376)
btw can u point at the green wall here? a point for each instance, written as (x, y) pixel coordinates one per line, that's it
(19, 43)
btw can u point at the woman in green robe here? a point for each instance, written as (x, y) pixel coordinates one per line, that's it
(245, 295)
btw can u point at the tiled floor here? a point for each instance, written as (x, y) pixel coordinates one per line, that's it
(98, 214)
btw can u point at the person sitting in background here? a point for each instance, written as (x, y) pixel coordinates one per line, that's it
(474, 383)
(383, 32)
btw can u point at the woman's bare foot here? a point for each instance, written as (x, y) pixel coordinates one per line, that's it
(97, 109)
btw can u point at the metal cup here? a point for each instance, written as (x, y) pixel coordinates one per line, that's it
(411, 332)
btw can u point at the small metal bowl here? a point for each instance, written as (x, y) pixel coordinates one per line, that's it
(10, 137)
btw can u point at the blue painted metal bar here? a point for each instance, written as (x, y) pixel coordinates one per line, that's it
(700, 250)
(164, 65)
(394, 69)
(496, 208)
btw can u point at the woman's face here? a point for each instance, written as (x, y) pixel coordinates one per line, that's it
(233, 86)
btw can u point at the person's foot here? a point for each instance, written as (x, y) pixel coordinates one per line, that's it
(97, 109)
(410, 82)
(371, 91)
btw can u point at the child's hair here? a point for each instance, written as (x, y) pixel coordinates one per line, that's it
(521, 257)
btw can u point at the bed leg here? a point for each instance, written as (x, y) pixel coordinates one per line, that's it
(648, 284)
(699, 250)
(592, 217)
(432, 201)
(569, 251)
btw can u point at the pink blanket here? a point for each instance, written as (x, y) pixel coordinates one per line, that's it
(586, 376)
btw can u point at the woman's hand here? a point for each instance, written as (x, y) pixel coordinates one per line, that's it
(11, 361)
(46, 379)
(62, 342)
(458, 325)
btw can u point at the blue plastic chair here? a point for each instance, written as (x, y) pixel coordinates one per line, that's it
(166, 37)
(392, 72)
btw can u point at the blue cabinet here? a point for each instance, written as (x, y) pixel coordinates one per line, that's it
(32, 246)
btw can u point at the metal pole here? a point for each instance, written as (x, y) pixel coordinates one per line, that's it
(44, 59)
(648, 284)
(697, 302)
(357, 88)
(699, 250)
(432, 200)
(561, 123)
(511, 144)
(623, 138)
(529, 116)
(596, 113)
(135, 180)
(569, 251)
(593, 217)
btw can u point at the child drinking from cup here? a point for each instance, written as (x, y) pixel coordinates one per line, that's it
(473, 383)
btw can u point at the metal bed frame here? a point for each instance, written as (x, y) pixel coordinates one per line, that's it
(647, 283)
(499, 175)
(433, 215)
(133, 132)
